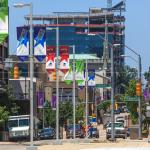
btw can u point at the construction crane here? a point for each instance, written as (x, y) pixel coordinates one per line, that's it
(109, 3)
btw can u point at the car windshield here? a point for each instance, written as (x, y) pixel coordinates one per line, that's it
(23, 122)
(13, 123)
(70, 127)
(117, 125)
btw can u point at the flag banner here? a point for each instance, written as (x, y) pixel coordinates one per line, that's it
(53, 101)
(64, 58)
(23, 43)
(91, 78)
(40, 43)
(40, 99)
(146, 94)
(50, 58)
(3, 20)
(79, 73)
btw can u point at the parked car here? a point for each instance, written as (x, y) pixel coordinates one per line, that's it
(79, 131)
(47, 133)
(119, 130)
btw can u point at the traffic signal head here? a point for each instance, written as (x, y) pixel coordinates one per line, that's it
(138, 89)
(54, 75)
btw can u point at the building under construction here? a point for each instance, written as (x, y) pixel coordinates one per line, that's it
(89, 32)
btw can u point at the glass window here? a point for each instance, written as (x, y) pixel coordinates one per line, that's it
(23, 122)
(13, 123)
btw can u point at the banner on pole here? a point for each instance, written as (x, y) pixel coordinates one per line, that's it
(53, 101)
(79, 73)
(23, 43)
(40, 99)
(64, 58)
(91, 78)
(40, 43)
(50, 58)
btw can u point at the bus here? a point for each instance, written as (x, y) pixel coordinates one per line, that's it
(18, 127)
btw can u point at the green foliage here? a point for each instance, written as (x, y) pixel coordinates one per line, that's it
(3, 9)
(4, 114)
(131, 105)
(65, 113)
(104, 105)
(125, 74)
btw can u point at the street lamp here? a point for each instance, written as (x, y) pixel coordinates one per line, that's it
(112, 84)
(30, 5)
(140, 80)
(57, 82)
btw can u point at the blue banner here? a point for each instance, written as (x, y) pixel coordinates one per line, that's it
(40, 43)
(23, 43)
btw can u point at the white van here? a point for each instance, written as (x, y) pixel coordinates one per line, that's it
(18, 126)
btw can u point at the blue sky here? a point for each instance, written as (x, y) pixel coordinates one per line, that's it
(137, 21)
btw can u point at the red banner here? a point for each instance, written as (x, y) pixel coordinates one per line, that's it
(64, 58)
(50, 58)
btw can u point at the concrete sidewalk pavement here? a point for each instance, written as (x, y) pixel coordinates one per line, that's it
(79, 146)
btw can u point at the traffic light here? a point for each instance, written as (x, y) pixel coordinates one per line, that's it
(54, 75)
(138, 89)
(16, 72)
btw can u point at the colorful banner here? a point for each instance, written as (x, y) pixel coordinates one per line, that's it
(50, 58)
(40, 43)
(3, 20)
(23, 43)
(64, 58)
(79, 73)
(53, 101)
(40, 99)
(146, 94)
(91, 78)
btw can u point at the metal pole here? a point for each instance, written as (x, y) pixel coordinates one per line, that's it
(74, 99)
(31, 76)
(139, 100)
(112, 95)
(86, 105)
(43, 117)
(57, 84)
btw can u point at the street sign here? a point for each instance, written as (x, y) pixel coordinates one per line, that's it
(103, 86)
(129, 98)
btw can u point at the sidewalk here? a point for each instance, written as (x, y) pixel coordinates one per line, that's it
(79, 146)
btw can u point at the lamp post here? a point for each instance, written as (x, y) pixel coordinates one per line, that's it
(57, 82)
(74, 94)
(112, 84)
(140, 80)
(30, 5)
(86, 103)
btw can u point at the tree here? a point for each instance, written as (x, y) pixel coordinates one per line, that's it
(65, 113)
(4, 114)
(125, 74)
(147, 75)
(132, 105)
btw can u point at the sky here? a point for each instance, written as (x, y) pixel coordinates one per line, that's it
(137, 30)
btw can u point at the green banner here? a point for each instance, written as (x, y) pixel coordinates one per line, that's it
(3, 20)
(79, 72)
